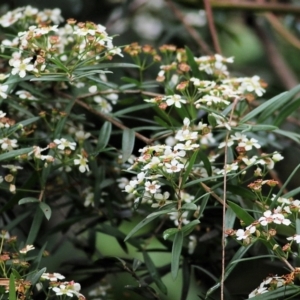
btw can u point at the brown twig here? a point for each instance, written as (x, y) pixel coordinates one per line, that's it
(191, 30)
(284, 73)
(252, 6)
(105, 117)
(209, 190)
(277, 25)
(151, 94)
(111, 120)
(211, 26)
(224, 200)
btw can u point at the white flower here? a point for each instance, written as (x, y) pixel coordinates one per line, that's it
(105, 106)
(8, 144)
(152, 187)
(229, 168)
(63, 143)
(130, 188)
(82, 162)
(175, 99)
(3, 89)
(248, 144)
(63, 289)
(277, 157)
(187, 146)
(81, 135)
(26, 249)
(93, 89)
(161, 199)
(21, 66)
(251, 85)
(192, 244)
(25, 95)
(267, 218)
(174, 166)
(244, 234)
(258, 291)
(52, 276)
(296, 238)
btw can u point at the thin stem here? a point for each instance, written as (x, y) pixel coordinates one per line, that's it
(284, 73)
(191, 30)
(224, 201)
(252, 6)
(111, 120)
(105, 117)
(277, 25)
(211, 26)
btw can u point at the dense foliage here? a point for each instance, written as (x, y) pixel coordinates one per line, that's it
(176, 172)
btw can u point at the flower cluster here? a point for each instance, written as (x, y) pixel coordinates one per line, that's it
(269, 284)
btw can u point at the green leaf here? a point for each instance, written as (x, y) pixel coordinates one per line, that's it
(46, 210)
(176, 253)
(240, 253)
(22, 124)
(28, 200)
(12, 287)
(269, 107)
(34, 278)
(16, 274)
(186, 278)
(169, 232)
(189, 206)
(154, 273)
(128, 140)
(104, 136)
(286, 111)
(62, 121)
(207, 165)
(147, 220)
(35, 227)
(107, 65)
(274, 202)
(291, 135)
(189, 167)
(192, 63)
(230, 217)
(14, 153)
(241, 213)
(188, 228)
(132, 109)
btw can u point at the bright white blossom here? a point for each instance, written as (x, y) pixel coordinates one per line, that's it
(3, 90)
(52, 276)
(152, 187)
(22, 66)
(248, 144)
(296, 238)
(175, 100)
(26, 249)
(8, 144)
(63, 143)
(82, 162)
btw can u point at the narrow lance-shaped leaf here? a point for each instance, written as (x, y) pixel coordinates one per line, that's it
(14, 153)
(241, 213)
(28, 200)
(12, 287)
(176, 252)
(46, 210)
(104, 136)
(189, 167)
(147, 220)
(128, 140)
(154, 273)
